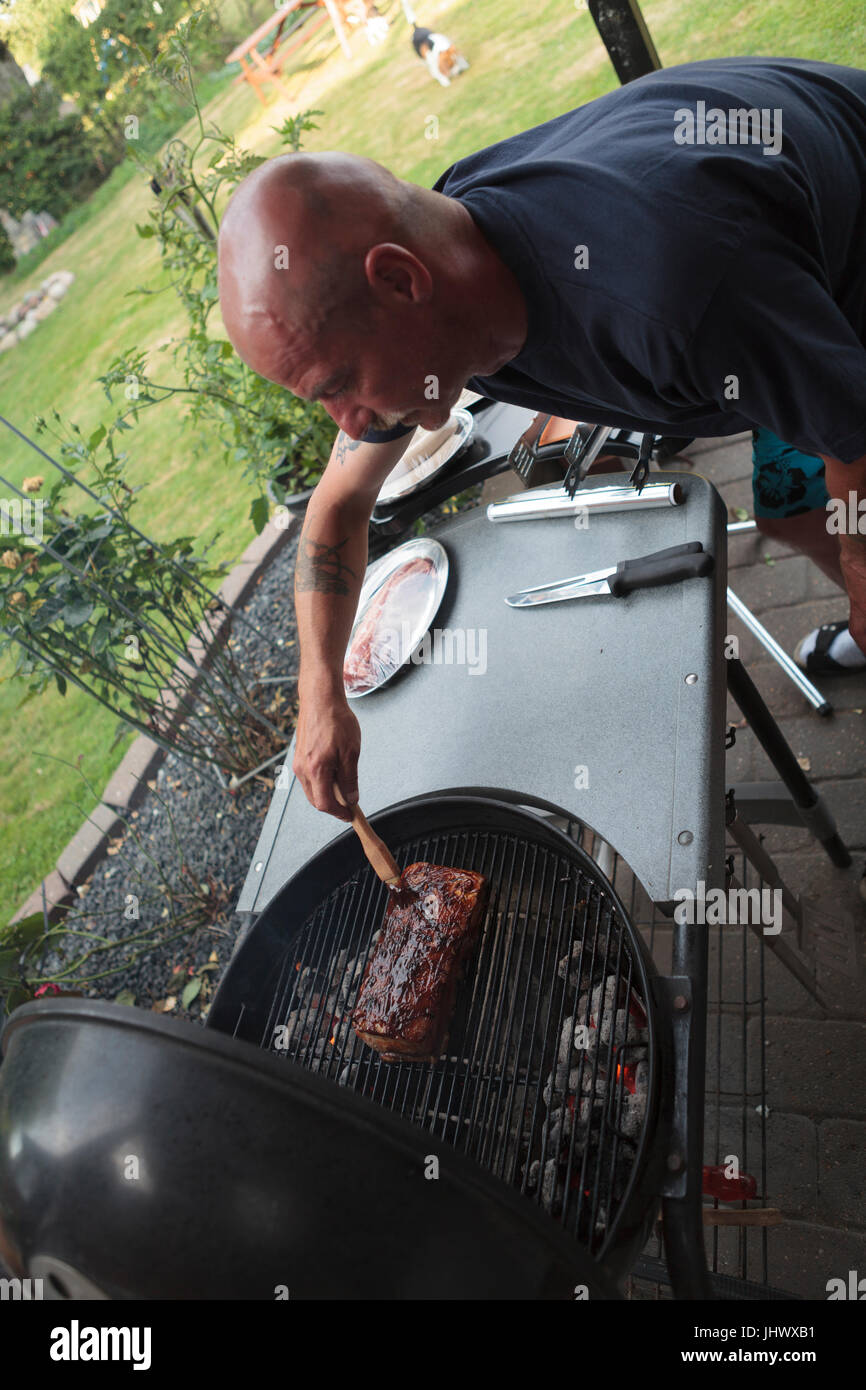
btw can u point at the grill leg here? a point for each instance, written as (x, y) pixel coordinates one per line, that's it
(683, 1214)
(774, 744)
(684, 1246)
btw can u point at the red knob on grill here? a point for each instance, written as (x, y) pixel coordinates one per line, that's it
(728, 1189)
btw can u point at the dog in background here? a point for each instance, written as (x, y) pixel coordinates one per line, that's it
(442, 57)
(443, 60)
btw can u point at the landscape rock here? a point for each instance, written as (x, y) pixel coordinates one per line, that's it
(35, 306)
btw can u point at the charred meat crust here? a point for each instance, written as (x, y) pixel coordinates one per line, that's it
(409, 987)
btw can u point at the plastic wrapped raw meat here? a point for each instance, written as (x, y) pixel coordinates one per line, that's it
(380, 643)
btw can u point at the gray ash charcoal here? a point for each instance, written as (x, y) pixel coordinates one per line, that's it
(623, 1027)
(569, 968)
(560, 1125)
(629, 1119)
(338, 966)
(603, 1000)
(566, 1043)
(351, 983)
(305, 983)
(551, 1190)
(582, 1078)
(641, 1079)
(590, 1108)
(349, 1074)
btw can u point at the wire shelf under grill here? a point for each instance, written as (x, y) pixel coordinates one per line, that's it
(567, 1125)
(736, 1094)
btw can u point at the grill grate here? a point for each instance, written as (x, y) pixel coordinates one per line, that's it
(566, 1126)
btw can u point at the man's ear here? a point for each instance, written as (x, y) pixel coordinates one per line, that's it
(395, 273)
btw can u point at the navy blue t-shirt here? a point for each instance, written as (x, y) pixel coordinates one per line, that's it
(720, 286)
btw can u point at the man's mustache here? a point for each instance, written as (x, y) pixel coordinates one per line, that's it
(387, 422)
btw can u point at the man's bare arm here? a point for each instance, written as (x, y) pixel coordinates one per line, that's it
(320, 568)
(332, 558)
(843, 478)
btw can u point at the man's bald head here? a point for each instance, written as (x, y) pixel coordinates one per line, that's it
(351, 287)
(292, 246)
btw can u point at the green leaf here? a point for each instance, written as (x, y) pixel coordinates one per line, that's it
(9, 965)
(125, 996)
(60, 681)
(190, 992)
(259, 514)
(97, 437)
(145, 231)
(16, 997)
(26, 931)
(227, 349)
(101, 635)
(77, 611)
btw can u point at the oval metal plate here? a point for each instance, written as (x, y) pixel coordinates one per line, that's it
(378, 573)
(408, 476)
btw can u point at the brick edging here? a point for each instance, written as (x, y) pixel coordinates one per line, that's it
(127, 784)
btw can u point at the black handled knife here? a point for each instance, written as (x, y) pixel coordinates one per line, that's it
(679, 562)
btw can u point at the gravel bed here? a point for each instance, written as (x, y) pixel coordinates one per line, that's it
(187, 817)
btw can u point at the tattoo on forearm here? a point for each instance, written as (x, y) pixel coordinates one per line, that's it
(320, 568)
(345, 446)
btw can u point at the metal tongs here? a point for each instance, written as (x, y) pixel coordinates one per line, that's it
(584, 447)
(580, 453)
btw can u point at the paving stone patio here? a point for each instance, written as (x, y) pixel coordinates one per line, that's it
(814, 1059)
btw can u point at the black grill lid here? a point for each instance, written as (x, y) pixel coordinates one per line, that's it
(251, 1175)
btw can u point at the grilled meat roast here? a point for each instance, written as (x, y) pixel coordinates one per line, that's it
(409, 987)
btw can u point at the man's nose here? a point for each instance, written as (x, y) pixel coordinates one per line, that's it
(353, 420)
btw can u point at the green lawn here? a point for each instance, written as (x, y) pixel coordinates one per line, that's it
(528, 63)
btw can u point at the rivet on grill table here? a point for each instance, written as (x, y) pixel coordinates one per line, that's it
(685, 837)
(681, 1003)
(692, 678)
(675, 1162)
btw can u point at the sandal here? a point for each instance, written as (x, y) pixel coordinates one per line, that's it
(819, 662)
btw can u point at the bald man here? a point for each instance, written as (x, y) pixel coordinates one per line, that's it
(683, 255)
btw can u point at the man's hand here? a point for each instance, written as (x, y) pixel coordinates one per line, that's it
(842, 479)
(332, 558)
(327, 746)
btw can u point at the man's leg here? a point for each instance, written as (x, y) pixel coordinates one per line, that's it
(790, 495)
(808, 534)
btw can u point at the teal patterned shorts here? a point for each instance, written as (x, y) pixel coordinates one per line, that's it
(784, 481)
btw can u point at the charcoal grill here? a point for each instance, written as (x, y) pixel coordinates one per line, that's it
(581, 1132)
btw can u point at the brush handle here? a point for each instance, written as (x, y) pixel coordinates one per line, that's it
(383, 863)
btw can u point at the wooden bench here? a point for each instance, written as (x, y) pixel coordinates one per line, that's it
(259, 68)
